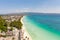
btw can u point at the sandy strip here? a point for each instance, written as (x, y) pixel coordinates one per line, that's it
(25, 31)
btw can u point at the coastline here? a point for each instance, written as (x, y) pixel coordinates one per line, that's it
(38, 33)
(26, 34)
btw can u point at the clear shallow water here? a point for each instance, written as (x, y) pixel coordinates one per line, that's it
(43, 27)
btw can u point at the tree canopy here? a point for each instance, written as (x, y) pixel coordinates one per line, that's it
(16, 24)
(2, 23)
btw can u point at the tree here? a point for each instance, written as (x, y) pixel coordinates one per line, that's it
(2, 25)
(16, 24)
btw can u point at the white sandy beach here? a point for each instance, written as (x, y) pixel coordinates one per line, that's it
(26, 34)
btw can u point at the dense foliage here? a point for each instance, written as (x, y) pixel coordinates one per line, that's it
(3, 26)
(16, 24)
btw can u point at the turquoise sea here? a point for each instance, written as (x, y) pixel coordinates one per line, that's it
(43, 26)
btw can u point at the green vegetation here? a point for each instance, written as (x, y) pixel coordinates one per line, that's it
(16, 24)
(11, 29)
(3, 26)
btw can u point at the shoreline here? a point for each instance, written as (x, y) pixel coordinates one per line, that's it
(26, 34)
